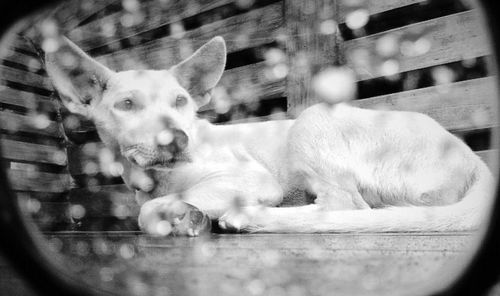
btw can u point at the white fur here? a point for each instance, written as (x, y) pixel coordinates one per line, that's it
(371, 171)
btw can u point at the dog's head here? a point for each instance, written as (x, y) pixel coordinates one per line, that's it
(147, 115)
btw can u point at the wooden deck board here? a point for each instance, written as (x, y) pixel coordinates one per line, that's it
(317, 264)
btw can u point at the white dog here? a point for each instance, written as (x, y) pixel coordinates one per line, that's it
(370, 171)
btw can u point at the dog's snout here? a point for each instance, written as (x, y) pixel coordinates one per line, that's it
(180, 139)
(174, 140)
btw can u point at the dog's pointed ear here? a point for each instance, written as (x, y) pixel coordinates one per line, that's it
(201, 72)
(79, 79)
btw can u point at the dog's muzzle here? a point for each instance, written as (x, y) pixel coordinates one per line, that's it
(170, 148)
(174, 141)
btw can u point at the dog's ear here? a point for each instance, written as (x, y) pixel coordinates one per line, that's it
(78, 78)
(201, 72)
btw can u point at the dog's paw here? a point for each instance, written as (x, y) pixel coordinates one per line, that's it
(160, 217)
(245, 219)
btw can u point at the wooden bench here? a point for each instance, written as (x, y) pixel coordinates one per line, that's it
(52, 156)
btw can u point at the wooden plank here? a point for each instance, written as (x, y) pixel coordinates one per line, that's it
(12, 122)
(274, 116)
(32, 152)
(465, 105)
(106, 201)
(490, 157)
(451, 38)
(24, 77)
(374, 7)
(69, 14)
(82, 158)
(20, 42)
(91, 35)
(31, 62)
(28, 100)
(38, 181)
(51, 216)
(308, 51)
(259, 27)
(284, 265)
(248, 84)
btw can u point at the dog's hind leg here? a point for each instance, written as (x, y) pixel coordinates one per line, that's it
(330, 198)
(341, 194)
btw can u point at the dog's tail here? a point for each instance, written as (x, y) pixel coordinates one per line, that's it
(467, 214)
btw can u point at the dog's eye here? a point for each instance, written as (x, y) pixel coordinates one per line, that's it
(126, 105)
(180, 101)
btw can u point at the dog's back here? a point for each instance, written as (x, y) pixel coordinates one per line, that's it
(394, 158)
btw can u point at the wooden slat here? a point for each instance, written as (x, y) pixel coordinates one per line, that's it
(100, 201)
(90, 35)
(71, 13)
(374, 7)
(453, 38)
(490, 157)
(38, 181)
(19, 42)
(32, 152)
(24, 77)
(78, 157)
(463, 105)
(260, 26)
(52, 216)
(253, 80)
(20, 58)
(25, 99)
(274, 116)
(13, 122)
(308, 51)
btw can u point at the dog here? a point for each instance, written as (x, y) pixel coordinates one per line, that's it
(369, 170)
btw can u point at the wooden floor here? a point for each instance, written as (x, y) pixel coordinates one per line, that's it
(230, 264)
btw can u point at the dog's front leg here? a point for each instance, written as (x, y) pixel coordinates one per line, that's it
(189, 212)
(171, 215)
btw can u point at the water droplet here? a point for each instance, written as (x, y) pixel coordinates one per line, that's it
(164, 137)
(328, 27)
(115, 169)
(55, 244)
(40, 121)
(389, 68)
(245, 4)
(82, 248)
(335, 85)
(274, 56)
(131, 5)
(127, 251)
(33, 206)
(387, 45)
(442, 75)
(163, 228)
(59, 157)
(357, 19)
(90, 168)
(50, 45)
(107, 274)
(77, 211)
(177, 30)
(121, 211)
(256, 287)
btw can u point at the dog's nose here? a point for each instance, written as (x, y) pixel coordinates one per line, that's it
(173, 140)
